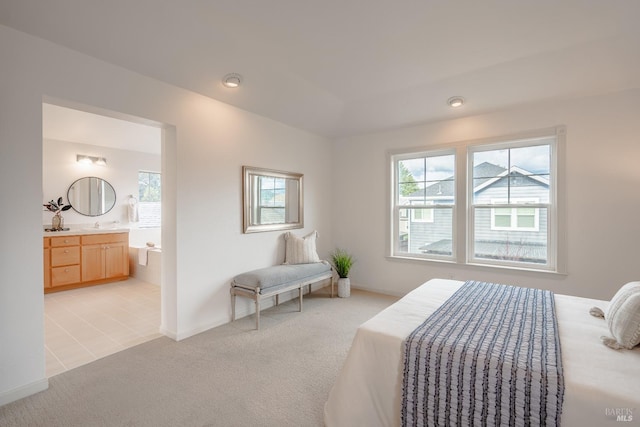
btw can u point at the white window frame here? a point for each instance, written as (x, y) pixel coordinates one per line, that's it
(551, 263)
(463, 210)
(260, 208)
(396, 207)
(514, 206)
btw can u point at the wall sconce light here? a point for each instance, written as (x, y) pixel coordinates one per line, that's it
(89, 160)
(455, 101)
(232, 80)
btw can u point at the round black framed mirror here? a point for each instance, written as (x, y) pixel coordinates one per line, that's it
(91, 196)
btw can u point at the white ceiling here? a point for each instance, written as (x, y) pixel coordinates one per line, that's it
(342, 67)
(67, 124)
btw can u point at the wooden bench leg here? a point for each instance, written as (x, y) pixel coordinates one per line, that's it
(233, 305)
(257, 312)
(331, 279)
(300, 298)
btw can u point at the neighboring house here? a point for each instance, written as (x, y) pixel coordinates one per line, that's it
(517, 233)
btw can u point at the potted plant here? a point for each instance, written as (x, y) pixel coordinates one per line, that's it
(57, 222)
(342, 262)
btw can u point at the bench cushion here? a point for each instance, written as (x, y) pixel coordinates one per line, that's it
(270, 278)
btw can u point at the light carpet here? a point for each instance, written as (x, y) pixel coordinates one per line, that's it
(228, 376)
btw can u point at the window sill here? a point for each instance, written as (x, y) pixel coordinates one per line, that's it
(474, 265)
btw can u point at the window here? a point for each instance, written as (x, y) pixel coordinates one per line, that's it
(271, 206)
(518, 175)
(509, 215)
(149, 199)
(423, 206)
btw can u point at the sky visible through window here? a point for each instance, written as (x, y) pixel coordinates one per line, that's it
(534, 159)
(431, 168)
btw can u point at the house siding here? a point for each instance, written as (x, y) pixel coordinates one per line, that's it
(499, 191)
(424, 233)
(510, 242)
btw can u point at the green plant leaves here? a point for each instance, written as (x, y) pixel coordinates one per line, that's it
(342, 261)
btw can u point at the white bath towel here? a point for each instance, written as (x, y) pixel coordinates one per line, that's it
(133, 209)
(143, 255)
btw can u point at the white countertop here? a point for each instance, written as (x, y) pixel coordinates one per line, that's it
(83, 231)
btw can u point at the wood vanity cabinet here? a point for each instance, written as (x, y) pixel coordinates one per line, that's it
(65, 260)
(75, 261)
(105, 256)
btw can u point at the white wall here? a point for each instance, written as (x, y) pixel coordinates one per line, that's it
(206, 143)
(60, 170)
(602, 194)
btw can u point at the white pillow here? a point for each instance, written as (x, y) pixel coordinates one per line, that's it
(623, 317)
(301, 250)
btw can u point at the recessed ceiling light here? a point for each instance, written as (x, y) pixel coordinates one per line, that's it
(232, 80)
(455, 101)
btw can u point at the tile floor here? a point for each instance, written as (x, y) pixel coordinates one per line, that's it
(83, 325)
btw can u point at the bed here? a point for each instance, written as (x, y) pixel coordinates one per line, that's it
(601, 385)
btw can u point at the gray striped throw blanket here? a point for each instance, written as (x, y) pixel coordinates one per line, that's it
(489, 356)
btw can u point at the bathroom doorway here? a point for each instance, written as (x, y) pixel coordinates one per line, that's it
(85, 324)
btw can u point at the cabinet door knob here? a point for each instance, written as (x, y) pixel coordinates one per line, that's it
(66, 241)
(66, 270)
(66, 251)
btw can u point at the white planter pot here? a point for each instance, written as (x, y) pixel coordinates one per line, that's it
(344, 287)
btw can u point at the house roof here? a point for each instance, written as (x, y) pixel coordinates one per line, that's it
(486, 174)
(513, 171)
(339, 68)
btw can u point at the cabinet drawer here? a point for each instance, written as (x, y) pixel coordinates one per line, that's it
(57, 242)
(65, 275)
(65, 256)
(95, 239)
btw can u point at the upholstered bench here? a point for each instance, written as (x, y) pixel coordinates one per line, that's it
(272, 281)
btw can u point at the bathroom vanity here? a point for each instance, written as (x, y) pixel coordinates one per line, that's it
(74, 259)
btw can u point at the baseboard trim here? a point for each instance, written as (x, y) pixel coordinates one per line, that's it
(23, 391)
(186, 334)
(167, 333)
(378, 291)
(195, 331)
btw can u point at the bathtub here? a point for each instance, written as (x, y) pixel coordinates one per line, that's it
(151, 272)
(138, 238)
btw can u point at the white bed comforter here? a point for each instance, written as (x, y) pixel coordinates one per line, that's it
(600, 383)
